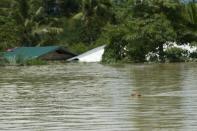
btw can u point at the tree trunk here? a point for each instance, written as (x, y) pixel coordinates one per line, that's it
(161, 53)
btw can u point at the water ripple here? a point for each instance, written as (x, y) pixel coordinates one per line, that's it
(94, 97)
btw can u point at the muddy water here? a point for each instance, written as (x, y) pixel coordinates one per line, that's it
(95, 97)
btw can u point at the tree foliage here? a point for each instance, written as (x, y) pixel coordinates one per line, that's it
(129, 28)
(9, 32)
(148, 28)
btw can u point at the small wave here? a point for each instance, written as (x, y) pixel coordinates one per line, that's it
(179, 93)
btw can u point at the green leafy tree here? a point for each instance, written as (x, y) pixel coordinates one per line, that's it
(93, 16)
(190, 13)
(187, 29)
(134, 39)
(145, 30)
(9, 31)
(36, 27)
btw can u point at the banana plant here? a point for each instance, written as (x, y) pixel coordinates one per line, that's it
(94, 8)
(190, 12)
(35, 25)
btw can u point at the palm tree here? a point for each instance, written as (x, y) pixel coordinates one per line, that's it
(190, 12)
(36, 28)
(94, 15)
(94, 8)
(188, 32)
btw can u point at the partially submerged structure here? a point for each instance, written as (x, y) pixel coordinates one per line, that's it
(94, 55)
(1, 55)
(43, 53)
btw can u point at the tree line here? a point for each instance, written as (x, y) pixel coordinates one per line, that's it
(129, 28)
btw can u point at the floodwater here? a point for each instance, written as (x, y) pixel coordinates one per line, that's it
(95, 97)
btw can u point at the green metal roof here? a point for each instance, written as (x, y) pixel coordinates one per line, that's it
(2, 53)
(30, 52)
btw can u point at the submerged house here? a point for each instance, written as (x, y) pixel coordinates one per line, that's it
(43, 53)
(94, 55)
(1, 55)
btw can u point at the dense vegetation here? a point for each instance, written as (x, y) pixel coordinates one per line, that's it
(130, 28)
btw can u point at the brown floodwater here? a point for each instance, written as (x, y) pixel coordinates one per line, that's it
(95, 97)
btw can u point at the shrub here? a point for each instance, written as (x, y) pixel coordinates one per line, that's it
(78, 48)
(175, 54)
(193, 54)
(35, 62)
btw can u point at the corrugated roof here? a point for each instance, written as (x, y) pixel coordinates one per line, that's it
(87, 53)
(30, 52)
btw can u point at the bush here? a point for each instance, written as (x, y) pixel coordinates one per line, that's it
(108, 56)
(193, 54)
(78, 48)
(175, 54)
(9, 33)
(35, 62)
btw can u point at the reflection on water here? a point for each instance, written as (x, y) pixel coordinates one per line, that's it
(95, 97)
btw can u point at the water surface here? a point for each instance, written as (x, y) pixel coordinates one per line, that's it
(95, 97)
